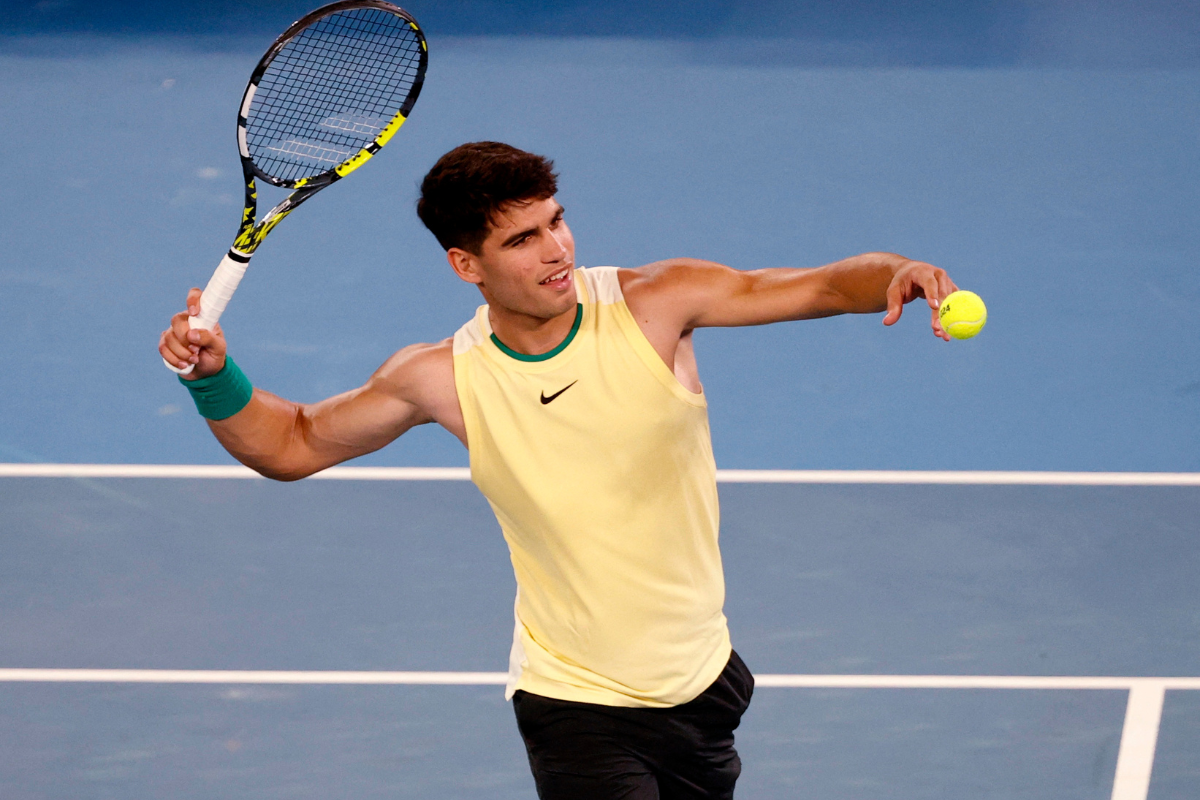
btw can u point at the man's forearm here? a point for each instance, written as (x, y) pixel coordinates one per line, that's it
(266, 436)
(288, 441)
(861, 282)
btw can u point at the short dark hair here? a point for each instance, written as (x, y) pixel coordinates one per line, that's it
(468, 186)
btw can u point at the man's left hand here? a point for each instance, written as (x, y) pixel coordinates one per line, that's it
(915, 279)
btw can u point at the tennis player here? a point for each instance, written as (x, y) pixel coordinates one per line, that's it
(577, 395)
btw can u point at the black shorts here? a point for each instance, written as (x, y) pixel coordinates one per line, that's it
(585, 751)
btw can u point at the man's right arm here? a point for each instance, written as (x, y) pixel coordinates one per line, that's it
(287, 441)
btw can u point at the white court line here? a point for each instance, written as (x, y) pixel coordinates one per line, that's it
(965, 477)
(250, 676)
(1028, 682)
(961, 477)
(226, 472)
(968, 682)
(1139, 737)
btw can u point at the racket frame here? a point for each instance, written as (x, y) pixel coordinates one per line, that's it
(250, 235)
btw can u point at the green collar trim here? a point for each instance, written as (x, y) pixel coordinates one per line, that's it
(508, 351)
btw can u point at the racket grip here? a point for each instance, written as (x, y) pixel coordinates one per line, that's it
(215, 296)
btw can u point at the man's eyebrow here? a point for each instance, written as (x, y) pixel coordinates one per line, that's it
(516, 237)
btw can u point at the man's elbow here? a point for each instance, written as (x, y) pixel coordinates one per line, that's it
(284, 474)
(276, 469)
(296, 459)
(285, 464)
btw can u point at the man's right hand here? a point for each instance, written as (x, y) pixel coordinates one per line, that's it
(181, 345)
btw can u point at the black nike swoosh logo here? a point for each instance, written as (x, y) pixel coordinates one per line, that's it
(546, 400)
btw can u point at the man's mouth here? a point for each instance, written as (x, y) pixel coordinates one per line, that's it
(556, 277)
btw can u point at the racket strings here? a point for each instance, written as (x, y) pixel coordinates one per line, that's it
(330, 90)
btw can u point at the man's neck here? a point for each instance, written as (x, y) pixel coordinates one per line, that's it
(530, 335)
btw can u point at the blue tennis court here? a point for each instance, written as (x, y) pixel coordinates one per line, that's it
(1045, 154)
(382, 576)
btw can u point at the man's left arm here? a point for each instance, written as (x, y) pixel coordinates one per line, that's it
(690, 293)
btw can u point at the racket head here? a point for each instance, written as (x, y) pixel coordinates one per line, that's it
(330, 92)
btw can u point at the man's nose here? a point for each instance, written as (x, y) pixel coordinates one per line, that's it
(555, 249)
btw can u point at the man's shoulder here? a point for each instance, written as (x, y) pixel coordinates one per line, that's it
(647, 286)
(662, 276)
(422, 376)
(423, 353)
(415, 367)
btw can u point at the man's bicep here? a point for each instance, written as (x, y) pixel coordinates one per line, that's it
(372, 416)
(703, 294)
(362, 420)
(680, 293)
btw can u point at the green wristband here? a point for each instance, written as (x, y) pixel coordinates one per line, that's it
(222, 395)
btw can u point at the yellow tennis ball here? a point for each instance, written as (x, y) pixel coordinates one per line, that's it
(963, 314)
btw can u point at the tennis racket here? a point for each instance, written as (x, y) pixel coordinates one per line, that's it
(329, 93)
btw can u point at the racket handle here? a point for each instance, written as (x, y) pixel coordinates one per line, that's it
(215, 297)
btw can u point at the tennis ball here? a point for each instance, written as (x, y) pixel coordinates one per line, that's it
(963, 314)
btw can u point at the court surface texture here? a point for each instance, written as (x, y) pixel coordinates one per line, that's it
(372, 618)
(192, 633)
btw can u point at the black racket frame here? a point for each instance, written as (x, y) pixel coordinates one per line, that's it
(251, 235)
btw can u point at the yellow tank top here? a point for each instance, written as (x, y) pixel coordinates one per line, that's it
(598, 464)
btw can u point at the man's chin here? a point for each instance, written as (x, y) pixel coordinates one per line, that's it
(554, 312)
(559, 303)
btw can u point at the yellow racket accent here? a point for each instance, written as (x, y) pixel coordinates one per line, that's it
(424, 47)
(387, 133)
(249, 241)
(346, 167)
(364, 155)
(268, 225)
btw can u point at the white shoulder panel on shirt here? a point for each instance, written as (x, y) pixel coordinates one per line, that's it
(602, 284)
(468, 336)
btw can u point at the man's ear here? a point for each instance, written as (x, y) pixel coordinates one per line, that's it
(464, 264)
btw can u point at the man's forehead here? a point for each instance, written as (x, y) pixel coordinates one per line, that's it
(521, 214)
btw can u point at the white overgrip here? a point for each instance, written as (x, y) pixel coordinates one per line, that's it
(215, 297)
(221, 287)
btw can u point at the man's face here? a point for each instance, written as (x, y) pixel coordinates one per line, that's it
(525, 264)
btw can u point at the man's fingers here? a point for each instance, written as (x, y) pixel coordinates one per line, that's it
(180, 326)
(181, 345)
(198, 337)
(948, 287)
(916, 279)
(936, 324)
(171, 346)
(895, 304)
(174, 351)
(929, 285)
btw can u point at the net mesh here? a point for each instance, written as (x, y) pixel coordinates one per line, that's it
(330, 91)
